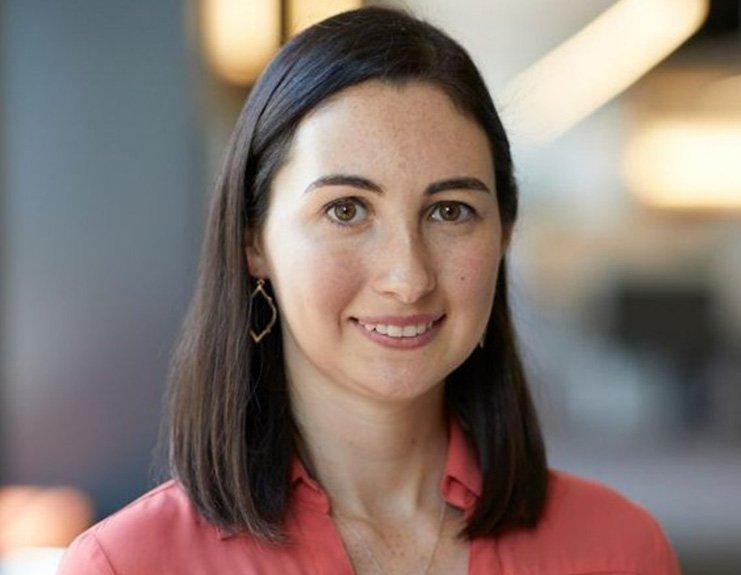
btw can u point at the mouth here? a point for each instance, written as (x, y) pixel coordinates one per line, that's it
(400, 341)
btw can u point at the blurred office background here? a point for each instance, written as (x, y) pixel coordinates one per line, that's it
(625, 120)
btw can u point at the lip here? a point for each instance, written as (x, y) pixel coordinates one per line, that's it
(401, 342)
(401, 321)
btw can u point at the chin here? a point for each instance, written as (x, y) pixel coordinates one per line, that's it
(399, 388)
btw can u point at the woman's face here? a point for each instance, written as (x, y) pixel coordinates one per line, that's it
(376, 243)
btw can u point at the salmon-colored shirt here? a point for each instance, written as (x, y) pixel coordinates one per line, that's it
(587, 528)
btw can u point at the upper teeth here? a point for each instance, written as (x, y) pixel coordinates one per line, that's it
(397, 330)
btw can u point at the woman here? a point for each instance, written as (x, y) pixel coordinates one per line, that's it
(347, 395)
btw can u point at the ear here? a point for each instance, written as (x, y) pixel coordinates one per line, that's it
(255, 254)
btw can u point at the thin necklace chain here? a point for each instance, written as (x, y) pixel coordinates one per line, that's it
(373, 557)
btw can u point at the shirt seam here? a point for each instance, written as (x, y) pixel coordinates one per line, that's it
(103, 552)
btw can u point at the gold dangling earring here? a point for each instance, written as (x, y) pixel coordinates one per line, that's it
(260, 289)
(481, 343)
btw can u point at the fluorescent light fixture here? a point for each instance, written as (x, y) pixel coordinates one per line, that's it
(596, 64)
(686, 164)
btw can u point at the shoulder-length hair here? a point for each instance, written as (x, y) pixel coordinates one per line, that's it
(230, 431)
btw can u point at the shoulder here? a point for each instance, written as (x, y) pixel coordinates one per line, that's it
(577, 501)
(590, 527)
(138, 537)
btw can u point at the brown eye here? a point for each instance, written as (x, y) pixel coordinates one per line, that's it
(342, 212)
(345, 211)
(451, 211)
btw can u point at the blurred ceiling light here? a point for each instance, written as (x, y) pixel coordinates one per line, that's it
(41, 516)
(686, 164)
(240, 36)
(304, 13)
(597, 63)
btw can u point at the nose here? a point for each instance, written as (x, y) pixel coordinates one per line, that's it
(406, 271)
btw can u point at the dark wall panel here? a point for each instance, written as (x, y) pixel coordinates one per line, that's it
(102, 200)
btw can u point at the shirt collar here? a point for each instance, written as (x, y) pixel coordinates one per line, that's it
(459, 486)
(461, 466)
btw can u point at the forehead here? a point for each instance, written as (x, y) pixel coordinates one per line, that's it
(412, 131)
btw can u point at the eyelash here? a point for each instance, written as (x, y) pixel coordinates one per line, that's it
(330, 206)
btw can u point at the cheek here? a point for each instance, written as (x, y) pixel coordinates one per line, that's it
(320, 281)
(470, 274)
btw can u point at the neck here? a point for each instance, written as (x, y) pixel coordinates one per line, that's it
(374, 460)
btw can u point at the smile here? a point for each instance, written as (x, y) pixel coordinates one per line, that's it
(407, 337)
(397, 330)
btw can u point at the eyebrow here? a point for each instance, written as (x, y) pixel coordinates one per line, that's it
(460, 183)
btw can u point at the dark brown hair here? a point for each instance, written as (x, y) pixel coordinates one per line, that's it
(230, 430)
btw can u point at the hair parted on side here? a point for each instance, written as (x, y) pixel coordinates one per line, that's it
(229, 427)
